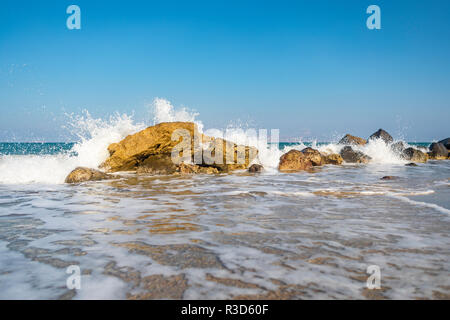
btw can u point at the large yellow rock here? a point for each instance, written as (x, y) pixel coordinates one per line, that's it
(150, 151)
(294, 160)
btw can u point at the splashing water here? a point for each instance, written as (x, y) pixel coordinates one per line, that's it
(95, 136)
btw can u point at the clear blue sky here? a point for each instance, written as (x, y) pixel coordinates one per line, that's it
(310, 68)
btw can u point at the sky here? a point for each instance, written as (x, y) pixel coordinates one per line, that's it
(311, 69)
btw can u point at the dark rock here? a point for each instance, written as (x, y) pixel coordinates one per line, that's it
(389, 178)
(411, 164)
(351, 156)
(352, 140)
(387, 138)
(255, 168)
(414, 155)
(82, 174)
(446, 143)
(438, 151)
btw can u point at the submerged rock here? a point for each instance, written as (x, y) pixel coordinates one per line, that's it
(389, 178)
(411, 164)
(446, 143)
(415, 155)
(333, 158)
(352, 140)
(255, 168)
(294, 160)
(150, 151)
(313, 155)
(438, 151)
(82, 174)
(381, 134)
(351, 156)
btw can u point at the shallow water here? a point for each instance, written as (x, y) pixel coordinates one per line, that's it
(273, 235)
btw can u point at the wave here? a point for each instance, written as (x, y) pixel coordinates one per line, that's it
(95, 135)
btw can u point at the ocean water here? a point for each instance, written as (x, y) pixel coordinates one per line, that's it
(306, 235)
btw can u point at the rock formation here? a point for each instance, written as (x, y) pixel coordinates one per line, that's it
(294, 160)
(348, 139)
(351, 156)
(438, 151)
(414, 155)
(381, 134)
(150, 151)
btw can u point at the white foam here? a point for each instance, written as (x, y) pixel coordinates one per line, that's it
(95, 137)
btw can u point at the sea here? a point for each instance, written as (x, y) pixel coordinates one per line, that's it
(338, 232)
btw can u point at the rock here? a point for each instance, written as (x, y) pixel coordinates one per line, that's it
(446, 143)
(333, 158)
(387, 138)
(313, 155)
(351, 156)
(389, 178)
(415, 155)
(438, 151)
(294, 160)
(398, 147)
(82, 174)
(255, 168)
(150, 151)
(184, 168)
(352, 140)
(411, 164)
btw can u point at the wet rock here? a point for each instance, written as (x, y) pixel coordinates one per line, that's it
(313, 155)
(150, 150)
(446, 143)
(351, 156)
(184, 168)
(159, 286)
(389, 178)
(255, 168)
(352, 140)
(381, 134)
(333, 158)
(82, 174)
(438, 151)
(411, 164)
(414, 155)
(294, 160)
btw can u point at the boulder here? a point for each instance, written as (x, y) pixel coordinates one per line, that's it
(351, 156)
(150, 151)
(313, 155)
(381, 134)
(352, 140)
(294, 160)
(82, 174)
(333, 158)
(446, 143)
(255, 168)
(438, 151)
(414, 155)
